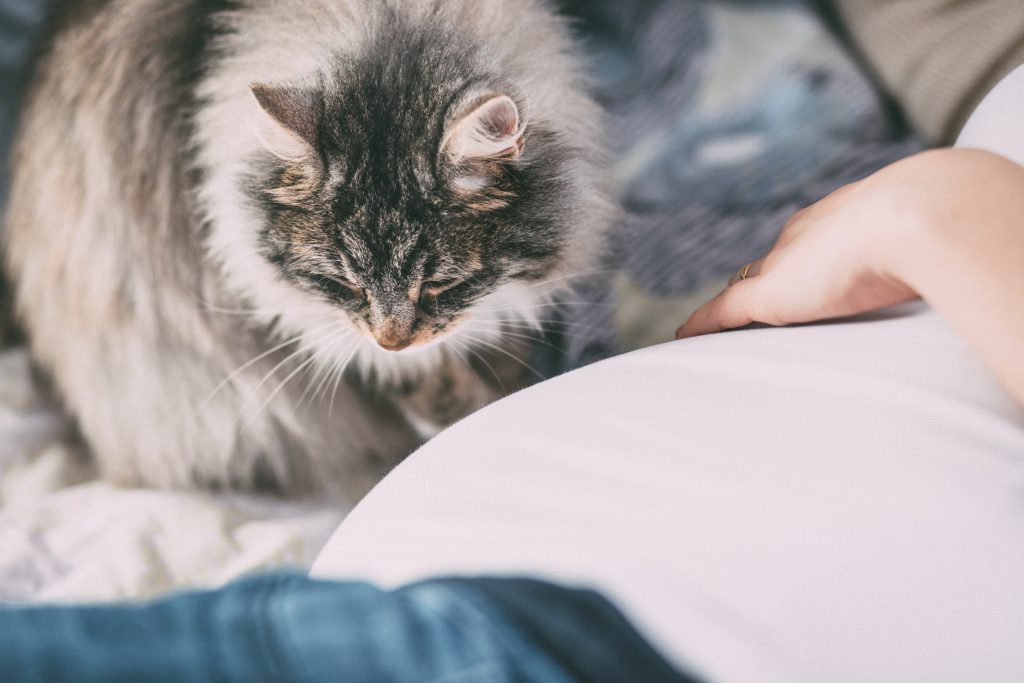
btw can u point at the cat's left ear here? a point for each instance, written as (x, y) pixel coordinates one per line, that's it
(285, 120)
(492, 128)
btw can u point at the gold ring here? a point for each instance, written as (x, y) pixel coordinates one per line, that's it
(745, 271)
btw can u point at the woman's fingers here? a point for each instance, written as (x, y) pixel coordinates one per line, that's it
(746, 272)
(730, 309)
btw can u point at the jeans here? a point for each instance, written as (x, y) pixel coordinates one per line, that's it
(288, 628)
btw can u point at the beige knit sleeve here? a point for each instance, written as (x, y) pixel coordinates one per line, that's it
(938, 58)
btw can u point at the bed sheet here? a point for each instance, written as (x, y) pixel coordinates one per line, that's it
(66, 535)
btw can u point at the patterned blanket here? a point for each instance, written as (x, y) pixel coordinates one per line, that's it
(725, 117)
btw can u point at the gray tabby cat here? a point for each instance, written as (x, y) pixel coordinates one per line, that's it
(218, 207)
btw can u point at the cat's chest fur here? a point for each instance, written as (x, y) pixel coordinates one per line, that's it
(216, 243)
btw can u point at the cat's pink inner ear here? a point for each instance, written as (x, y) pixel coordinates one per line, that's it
(494, 128)
(284, 121)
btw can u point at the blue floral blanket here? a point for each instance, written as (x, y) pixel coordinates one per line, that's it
(724, 119)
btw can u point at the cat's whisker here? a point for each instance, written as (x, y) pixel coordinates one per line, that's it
(569, 328)
(254, 311)
(340, 373)
(550, 322)
(326, 331)
(336, 369)
(556, 321)
(322, 370)
(458, 349)
(210, 307)
(520, 335)
(260, 357)
(490, 368)
(289, 358)
(589, 273)
(305, 364)
(305, 348)
(331, 368)
(323, 375)
(546, 304)
(316, 368)
(484, 342)
(246, 365)
(239, 312)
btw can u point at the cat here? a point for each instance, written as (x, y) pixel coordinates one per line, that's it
(278, 244)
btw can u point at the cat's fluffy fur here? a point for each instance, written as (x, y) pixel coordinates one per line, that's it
(143, 221)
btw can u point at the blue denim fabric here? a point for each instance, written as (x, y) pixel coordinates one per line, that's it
(287, 628)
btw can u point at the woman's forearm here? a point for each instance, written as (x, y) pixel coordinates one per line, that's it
(964, 254)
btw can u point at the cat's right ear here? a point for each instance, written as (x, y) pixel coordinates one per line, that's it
(493, 128)
(284, 121)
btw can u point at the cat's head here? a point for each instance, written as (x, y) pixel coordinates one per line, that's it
(417, 201)
(402, 219)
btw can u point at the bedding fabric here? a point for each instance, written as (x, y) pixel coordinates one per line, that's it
(830, 502)
(725, 118)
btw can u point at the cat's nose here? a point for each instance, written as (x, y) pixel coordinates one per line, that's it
(392, 324)
(392, 337)
(397, 346)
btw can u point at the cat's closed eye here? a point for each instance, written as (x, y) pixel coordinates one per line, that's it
(352, 288)
(433, 288)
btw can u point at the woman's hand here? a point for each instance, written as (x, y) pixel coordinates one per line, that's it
(847, 254)
(945, 225)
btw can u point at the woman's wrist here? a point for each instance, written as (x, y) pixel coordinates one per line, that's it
(939, 202)
(962, 251)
